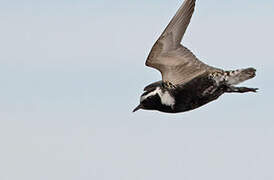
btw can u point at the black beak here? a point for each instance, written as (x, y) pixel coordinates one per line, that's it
(138, 108)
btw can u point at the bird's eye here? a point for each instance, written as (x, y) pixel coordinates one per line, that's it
(150, 98)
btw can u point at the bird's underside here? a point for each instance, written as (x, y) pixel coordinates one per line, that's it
(187, 82)
(193, 94)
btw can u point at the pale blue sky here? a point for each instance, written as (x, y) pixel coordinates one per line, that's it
(72, 71)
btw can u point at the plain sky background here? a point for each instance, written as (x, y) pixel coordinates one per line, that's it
(72, 71)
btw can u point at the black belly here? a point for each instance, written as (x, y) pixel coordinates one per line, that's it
(194, 94)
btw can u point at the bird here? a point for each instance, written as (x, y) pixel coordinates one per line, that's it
(187, 83)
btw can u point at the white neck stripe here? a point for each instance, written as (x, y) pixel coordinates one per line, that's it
(166, 98)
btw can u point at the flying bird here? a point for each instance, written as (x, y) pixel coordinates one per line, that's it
(187, 83)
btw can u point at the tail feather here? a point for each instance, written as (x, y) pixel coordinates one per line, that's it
(238, 76)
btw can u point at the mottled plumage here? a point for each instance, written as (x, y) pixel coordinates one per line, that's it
(187, 83)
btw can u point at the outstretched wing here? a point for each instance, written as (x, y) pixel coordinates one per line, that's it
(176, 63)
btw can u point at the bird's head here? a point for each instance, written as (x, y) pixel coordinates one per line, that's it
(149, 100)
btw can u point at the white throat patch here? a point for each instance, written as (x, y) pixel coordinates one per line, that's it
(166, 98)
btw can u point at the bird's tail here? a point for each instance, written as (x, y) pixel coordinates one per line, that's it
(241, 75)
